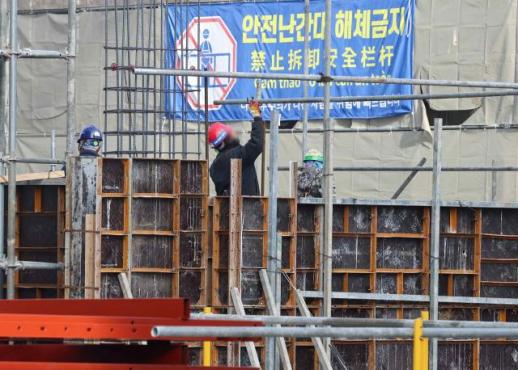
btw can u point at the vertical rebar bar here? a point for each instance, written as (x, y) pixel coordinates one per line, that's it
(273, 263)
(305, 112)
(328, 174)
(436, 234)
(71, 77)
(11, 190)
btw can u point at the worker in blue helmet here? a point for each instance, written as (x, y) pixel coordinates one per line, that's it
(89, 142)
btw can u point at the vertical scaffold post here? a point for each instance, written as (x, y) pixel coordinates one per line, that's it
(11, 188)
(273, 264)
(207, 345)
(436, 230)
(328, 174)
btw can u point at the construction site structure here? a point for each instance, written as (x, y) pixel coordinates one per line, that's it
(140, 223)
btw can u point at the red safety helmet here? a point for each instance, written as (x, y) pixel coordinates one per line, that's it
(217, 134)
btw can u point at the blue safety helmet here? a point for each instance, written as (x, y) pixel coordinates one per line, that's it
(90, 132)
(90, 141)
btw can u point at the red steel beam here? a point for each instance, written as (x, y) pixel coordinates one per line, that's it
(103, 320)
(152, 353)
(16, 365)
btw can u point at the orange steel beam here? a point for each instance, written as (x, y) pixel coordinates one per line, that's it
(16, 365)
(112, 319)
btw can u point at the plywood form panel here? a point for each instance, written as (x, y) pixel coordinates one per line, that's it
(39, 237)
(152, 229)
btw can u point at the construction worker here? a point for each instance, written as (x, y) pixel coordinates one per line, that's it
(89, 142)
(226, 142)
(310, 177)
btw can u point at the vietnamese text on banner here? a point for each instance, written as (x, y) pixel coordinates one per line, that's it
(369, 38)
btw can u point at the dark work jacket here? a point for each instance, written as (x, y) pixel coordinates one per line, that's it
(248, 153)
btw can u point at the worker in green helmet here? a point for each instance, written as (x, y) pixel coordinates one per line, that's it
(310, 177)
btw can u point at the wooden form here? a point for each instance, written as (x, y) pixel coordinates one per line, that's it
(153, 227)
(39, 237)
(479, 257)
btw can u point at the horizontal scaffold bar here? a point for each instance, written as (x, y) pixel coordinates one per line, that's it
(352, 322)
(413, 298)
(344, 99)
(329, 332)
(30, 53)
(322, 78)
(417, 168)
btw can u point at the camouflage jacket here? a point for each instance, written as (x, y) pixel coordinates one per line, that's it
(310, 182)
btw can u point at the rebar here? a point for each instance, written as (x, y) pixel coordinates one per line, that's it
(417, 169)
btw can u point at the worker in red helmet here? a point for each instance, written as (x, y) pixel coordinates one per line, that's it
(225, 140)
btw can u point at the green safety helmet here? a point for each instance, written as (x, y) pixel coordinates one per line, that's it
(314, 155)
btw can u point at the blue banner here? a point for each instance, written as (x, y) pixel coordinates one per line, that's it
(369, 38)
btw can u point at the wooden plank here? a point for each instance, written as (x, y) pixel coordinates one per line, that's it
(272, 310)
(323, 358)
(235, 251)
(89, 256)
(294, 179)
(125, 285)
(240, 310)
(33, 176)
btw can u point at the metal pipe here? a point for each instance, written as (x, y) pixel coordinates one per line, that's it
(352, 322)
(272, 331)
(272, 263)
(31, 265)
(305, 87)
(323, 78)
(71, 78)
(32, 160)
(414, 298)
(340, 333)
(11, 189)
(30, 53)
(435, 234)
(377, 98)
(327, 178)
(463, 127)
(53, 148)
(248, 75)
(417, 168)
(4, 86)
(468, 333)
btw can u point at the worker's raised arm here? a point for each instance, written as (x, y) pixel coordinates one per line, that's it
(254, 147)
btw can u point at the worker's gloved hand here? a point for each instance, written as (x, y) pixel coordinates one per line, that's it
(254, 108)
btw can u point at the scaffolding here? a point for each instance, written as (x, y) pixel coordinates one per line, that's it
(135, 107)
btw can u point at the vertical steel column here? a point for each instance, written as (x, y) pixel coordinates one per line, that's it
(305, 112)
(11, 190)
(436, 233)
(71, 77)
(328, 175)
(273, 263)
